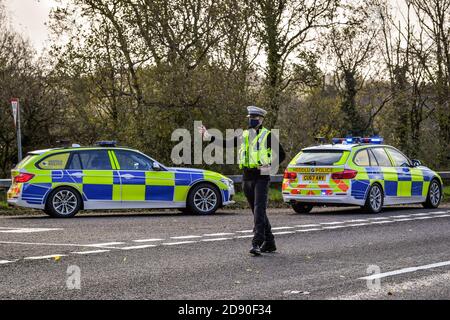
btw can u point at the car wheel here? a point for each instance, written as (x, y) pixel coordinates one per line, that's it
(63, 202)
(302, 207)
(434, 195)
(375, 199)
(203, 199)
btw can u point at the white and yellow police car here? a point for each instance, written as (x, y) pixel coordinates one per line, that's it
(63, 181)
(361, 172)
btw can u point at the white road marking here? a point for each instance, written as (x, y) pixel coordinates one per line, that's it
(51, 256)
(357, 220)
(176, 243)
(244, 237)
(423, 218)
(217, 234)
(407, 219)
(26, 230)
(106, 244)
(148, 240)
(308, 230)
(282, 228)
(335, 227)
(284, 232)
(139, 247)
(332, 223)
(381, 222)
(89, 252)
(402, 216)
(216, 239)
(438, 212)
(6, 261)
(358, 224)
(307, 225)
(186, 237)
(379, 218)
(406, 270)
(419, 214)
(244, 231)
(442, 216)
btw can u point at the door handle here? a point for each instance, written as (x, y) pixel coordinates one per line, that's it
(127, 176)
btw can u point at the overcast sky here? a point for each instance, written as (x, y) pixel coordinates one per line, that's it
(30, 16)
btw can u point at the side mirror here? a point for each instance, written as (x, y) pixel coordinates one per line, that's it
(416, 163)
(156, 166)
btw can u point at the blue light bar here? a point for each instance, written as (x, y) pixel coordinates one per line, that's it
(106, 143)
(356, 140)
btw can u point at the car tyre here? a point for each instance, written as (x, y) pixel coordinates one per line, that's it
(203, 199)
(63, 202)
(434, 195)
(374, 200)
(302, 207)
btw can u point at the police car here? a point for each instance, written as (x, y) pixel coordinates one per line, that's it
(63, 181)
(361, 172)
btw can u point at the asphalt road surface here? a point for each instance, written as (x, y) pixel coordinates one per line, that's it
(402, 253)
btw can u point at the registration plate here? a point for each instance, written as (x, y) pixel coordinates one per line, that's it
(310, 177)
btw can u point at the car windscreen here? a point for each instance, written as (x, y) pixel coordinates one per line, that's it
(319, 157)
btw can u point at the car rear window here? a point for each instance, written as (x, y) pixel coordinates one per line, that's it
(56, 161)
(319, 157)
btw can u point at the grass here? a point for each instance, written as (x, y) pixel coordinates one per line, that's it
(447, 194)
(275, 199)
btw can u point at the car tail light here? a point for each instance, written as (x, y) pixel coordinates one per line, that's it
(23, 177)
(290, 175)
(346, 174)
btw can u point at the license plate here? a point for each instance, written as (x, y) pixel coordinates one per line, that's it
(309, 177)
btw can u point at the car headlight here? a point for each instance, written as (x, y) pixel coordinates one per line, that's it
(228, 182)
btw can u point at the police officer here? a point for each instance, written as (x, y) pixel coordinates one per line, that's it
(255, 159)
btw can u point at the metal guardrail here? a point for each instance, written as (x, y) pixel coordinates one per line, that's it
(445, 175)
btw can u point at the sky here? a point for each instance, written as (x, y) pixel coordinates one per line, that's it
(30, 16)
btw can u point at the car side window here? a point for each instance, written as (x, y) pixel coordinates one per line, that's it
(94, 160)
(362, 158)
(382, 157)
(75, 162)
(129, 160)
(54, 162)
(399, 159)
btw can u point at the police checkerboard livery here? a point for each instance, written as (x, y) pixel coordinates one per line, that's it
(63, 181)
(358, 171)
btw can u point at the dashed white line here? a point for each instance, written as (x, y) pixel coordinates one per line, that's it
(332, 223)
(282, 228)
(307, 225)
(185, 237)
(90, 252)
(216, 239)
(176, 243)
(283, 232)
(244, 231)
(406, 270)
(381, 222)
(148, 240)
(51, 256)
(218, 234)
(358, 224)
(106, 244)
(6, 261)
(308, 230)
(139, 247)
(334, 227)
(406, 219)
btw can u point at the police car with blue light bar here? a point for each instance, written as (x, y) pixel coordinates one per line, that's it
(360, 171)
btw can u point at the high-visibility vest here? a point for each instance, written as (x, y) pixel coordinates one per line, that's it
(255, 153)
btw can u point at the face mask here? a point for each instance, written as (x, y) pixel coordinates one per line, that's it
(253, 123)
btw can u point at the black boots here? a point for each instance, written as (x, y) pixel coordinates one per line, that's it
(268, 246)
(255, 250)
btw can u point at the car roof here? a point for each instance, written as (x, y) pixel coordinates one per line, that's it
(341, 147)
(43, 151)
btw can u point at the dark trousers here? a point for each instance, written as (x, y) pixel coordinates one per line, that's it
(256, 191)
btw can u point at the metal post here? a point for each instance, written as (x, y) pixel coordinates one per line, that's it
(19, 134)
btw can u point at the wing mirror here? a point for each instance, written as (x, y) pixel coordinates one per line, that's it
(416, 163)
(156, 166)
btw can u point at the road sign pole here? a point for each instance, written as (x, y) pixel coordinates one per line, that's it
(16, 113)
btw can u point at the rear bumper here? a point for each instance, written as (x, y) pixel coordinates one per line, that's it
(330, 200)
(17, 202)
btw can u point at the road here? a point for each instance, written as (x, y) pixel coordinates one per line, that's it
(328, 254)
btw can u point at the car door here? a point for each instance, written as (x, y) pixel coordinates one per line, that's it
(143, 186)
(94, 170)
(409, 179)
(388, 171)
